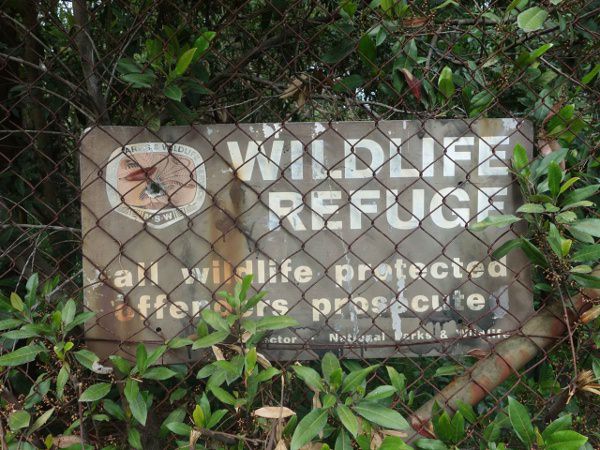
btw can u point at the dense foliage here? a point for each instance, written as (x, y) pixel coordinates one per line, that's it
(68, 65)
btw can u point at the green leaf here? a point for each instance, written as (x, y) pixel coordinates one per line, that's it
(539, 52)
(555, 240)
(128, 65)
(86, 358)
(480, 102)
(565, 440)
(310, 376)
(587, 253)
(68, 312)
(113, 409)
(381, 392)
(385, 417)
(16, 302)
(7, 324)
(567, 184)
(521, 422)
(134, 439)
(448, 370)
(267, 374)
(588, 281)
(338, 51)
(348, 84)
(216, 417)
(223, 395)
(398, 380)
(95, 392)
(41, 421)
(215, 320)
(566, 217)
(467, 411)
(275, 323)
(159, 373)
(588, 226)
(203, 41)
(394, 443)
(581, 237)
(121, 364)
(520, 159)
(446, 4)
(178, 342)
(31, 287)
(430, 444)
(348, 419)
(141, 358)
(497, 221)
(555, 175)
(61, 380)
(591, 74)
(156, 354)
(506, 248)
(531, 208)
(198, 417)
(19, 420)
(184, 61)
(210, 340)
(20, 356)
(532, 19)
(139, 80)
(560, 424)
(329, 364)
(179, 428)
(310, 425)
(356, 377)
(173, 92)
(343, 441)
(367, 50)
(250, 360)
(578, 195)
(443, 428)
(16, 335)
(533, 253)
(445, 82)
(457, 427)
(136, 401)
(582, 268)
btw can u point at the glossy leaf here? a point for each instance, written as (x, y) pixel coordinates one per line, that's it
(95, 392)
(184, 61)
(20, 356)
(521, 422)
(385, 417)
(310, 425)
(348, 419)
(532, 19)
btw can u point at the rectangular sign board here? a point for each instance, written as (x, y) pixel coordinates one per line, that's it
(359, 230)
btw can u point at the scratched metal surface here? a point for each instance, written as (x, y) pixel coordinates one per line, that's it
(158, 246)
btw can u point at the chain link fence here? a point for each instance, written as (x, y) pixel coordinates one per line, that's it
(71, 71)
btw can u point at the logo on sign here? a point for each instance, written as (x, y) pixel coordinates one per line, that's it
(156, 183)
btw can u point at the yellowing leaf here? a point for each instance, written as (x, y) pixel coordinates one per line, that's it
(273, 412)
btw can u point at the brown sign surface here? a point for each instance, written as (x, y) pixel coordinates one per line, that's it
(359, 230)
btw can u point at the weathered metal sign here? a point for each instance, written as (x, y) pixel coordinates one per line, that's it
(359, 230)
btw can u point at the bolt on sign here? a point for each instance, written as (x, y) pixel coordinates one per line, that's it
(359, 230)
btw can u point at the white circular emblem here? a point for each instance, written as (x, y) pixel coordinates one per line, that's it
(156, 183)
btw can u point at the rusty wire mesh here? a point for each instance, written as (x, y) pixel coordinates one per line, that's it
(276, 62)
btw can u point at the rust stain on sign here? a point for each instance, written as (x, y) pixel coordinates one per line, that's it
(359, 230)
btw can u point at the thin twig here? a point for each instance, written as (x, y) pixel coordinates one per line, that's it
(2, 438)
(41, 69)
(229, 438)
(42, 227)
(39, 41)
(88, 63)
